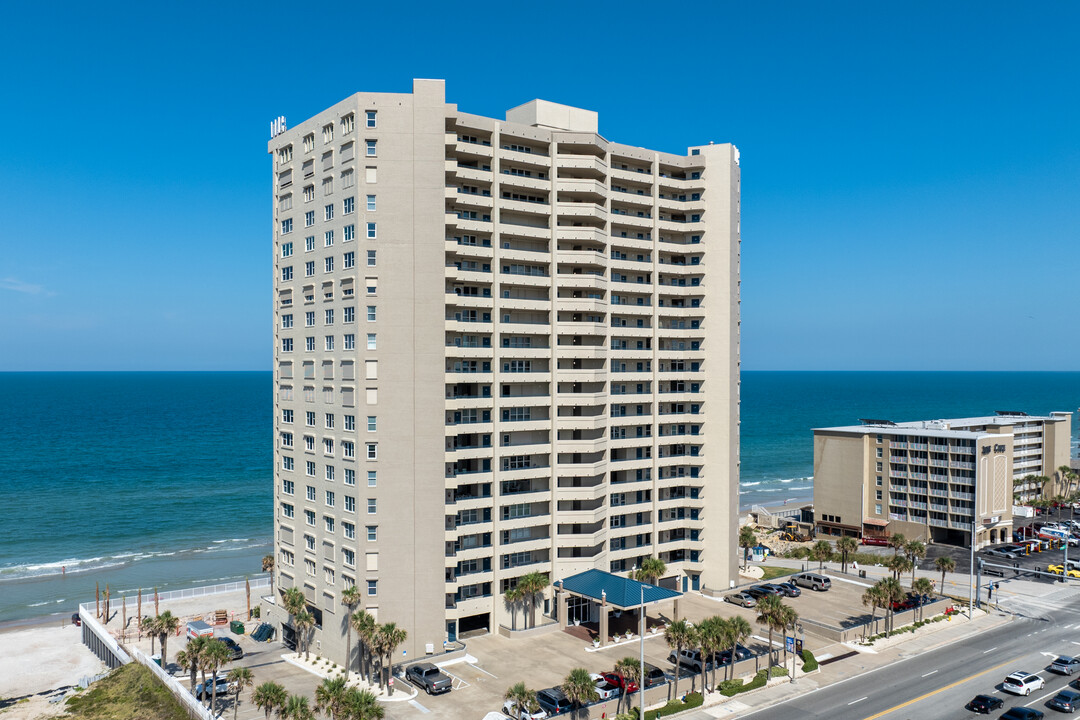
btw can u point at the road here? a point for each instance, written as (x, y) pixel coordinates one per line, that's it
(939, 683)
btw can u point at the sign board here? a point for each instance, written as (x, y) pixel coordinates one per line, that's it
(789, 644)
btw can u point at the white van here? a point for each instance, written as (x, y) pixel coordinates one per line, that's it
(812, 581)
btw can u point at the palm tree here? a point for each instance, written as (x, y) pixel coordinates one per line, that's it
(330, 696)
(269, 697)
(388, 638)
(891, 592)
(364, 624)
(216, 654)
(293, 600)
(846, 546)
(241, 678)
(747, 540)
(898, 564)
(361, 705)
(693, 642)
(651, 570)
(532, 587)
(769, 609)
(350, 598)
(710, 637)
(523, 698)
(629, 669)
(165, 625)
(579, 688)
(268, 566)
(898, 542)
(678, 635)
(923, 586)
(945, 565)
(149, 626)
(513, 596)
(786, 620)
(191, 658)
(305, 623)
(915, 551)
(297, 708)
(872, 597)
(821, 551)
(738, 630)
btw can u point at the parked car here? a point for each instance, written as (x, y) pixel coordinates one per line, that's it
(76, 620)
(236, 650)
(875, 541)
(690, 659)
(430, 678)
(984, 704)
(1022, 683)
(741, 598)
(776, 588)
(757, 592)
(905, 604)
(741, 653)
(553, 700)
(1007, 552)
(790, 589)
(223, 687)
(1065, 701)
(654, 676)
(605, 689)
(627, 686)
(1022, 713)
(1065, 665)
(918, 599)
(510, 710)
(1060, 569)
(814, 581)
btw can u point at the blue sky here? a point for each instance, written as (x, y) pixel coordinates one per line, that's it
(909, 169)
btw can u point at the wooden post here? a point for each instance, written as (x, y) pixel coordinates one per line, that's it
(97, 599)
(106, 603)
(247, 588)
(156, 613)
(123, 618)
(138, 620)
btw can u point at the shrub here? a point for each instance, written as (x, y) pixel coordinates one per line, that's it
(256, 612)
(810, 663)
(694, 700)
(779, 671)
(734, 687)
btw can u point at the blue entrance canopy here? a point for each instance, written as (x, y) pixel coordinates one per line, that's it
(619, 592)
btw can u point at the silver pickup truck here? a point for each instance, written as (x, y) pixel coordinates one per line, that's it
(430, 678)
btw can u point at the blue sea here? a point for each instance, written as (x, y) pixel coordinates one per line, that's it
(157, 479)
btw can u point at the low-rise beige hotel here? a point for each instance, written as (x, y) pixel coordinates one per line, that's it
(501, 347)
(931, 480)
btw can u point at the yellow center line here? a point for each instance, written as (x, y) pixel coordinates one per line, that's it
(942, 689)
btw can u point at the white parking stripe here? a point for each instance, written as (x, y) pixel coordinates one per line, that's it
(418, 706)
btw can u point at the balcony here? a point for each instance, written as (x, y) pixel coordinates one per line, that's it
(587, 163)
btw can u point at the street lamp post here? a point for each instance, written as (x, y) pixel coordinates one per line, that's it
(641, 666)
(971, 569)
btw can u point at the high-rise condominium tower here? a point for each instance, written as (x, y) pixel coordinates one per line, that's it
(501, 347)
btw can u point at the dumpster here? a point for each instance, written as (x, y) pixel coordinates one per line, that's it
(237, 627)
(157, 659)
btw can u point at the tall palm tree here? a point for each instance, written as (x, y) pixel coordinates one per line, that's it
(945, 565)
(361, 705)
(293, 600)
(297, 708)
(629, 669)
(513, 596)
(523, 698)
(364, 623)
(769, 609)
(330, 696)
(891, 592)
(268, 566)
(923, 586)
(579, 688)
(739, 629)
(747, 540)
(898, 564)
(651, 570)
(897, 542)
(350, 598)
(166, 624)
(388, 638)
(217, 654)
(532, 587)
(693, 642)
(678, 635)
(269, 697)
(710, 637)
(915, 551)
(786, 620)
(872, 597)
(821, 551)
(305, 623)
(241, 679)
(149, 626)
(191, 657)
(846, 545)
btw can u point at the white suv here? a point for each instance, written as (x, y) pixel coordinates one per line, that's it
(1022, 683)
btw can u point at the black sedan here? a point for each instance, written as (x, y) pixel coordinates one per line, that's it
(760, 591)
(789, 589)
(236, 650)
(1023, 713)
(985, 703)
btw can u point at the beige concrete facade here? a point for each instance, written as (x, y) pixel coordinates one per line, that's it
(527, 333)
(930, 480)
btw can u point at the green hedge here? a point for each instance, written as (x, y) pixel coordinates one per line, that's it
(810, 663)
(734, 687)
(692, 701)
(779, 671)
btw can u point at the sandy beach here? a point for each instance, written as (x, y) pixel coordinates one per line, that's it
(38, 659)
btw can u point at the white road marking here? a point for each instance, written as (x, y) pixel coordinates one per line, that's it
(1049, 694)
(418, 706)
(930, 673)
(990, 650)
(857, 701)
(477, 667)
(823, 656)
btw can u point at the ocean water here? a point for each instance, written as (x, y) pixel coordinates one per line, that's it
(144, 480)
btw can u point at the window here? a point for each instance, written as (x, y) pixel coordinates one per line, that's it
(328, 238)
(372, 588)
(348, 124)
(329, 313)
(350, 504)
(286, 439)
(348, 557)
(348, 530)
(349, 233)
(371, 231)
(372, 533)
(372, 451)
(372, 422)
(309, 344)
(371, 369)
(328, 446)
(329, 576)
(350, 341)
(309, 218)
(371, 285)
(329, 342)
(371, 258)
(286, 250)
(349, 260)
(877, 509)
(371, 341)
(370, 175)
(286, 345)
(287, 510)
(309, 318)
(286, 226)
(286, 321)
(309, 542)
(371, 313)
(350, 476)
(309, 268)
(370, 118)
(328, 212)
(330, 472)
(309, 142)
(348, 205)
(372, 506)
(309, 193)
(350, 423)
(309, 517)
(348, 179)
(350, 314)
(329, 524)
(286, 273)
(371, 478)
(287, 416)
(309, 419)
(371, 203)
(309, 470)
(347, 448)
(309, 243)
(329, 498)
(371, 147)
(288, 487)
(327, 133)
(327, 183)
(328, 263)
